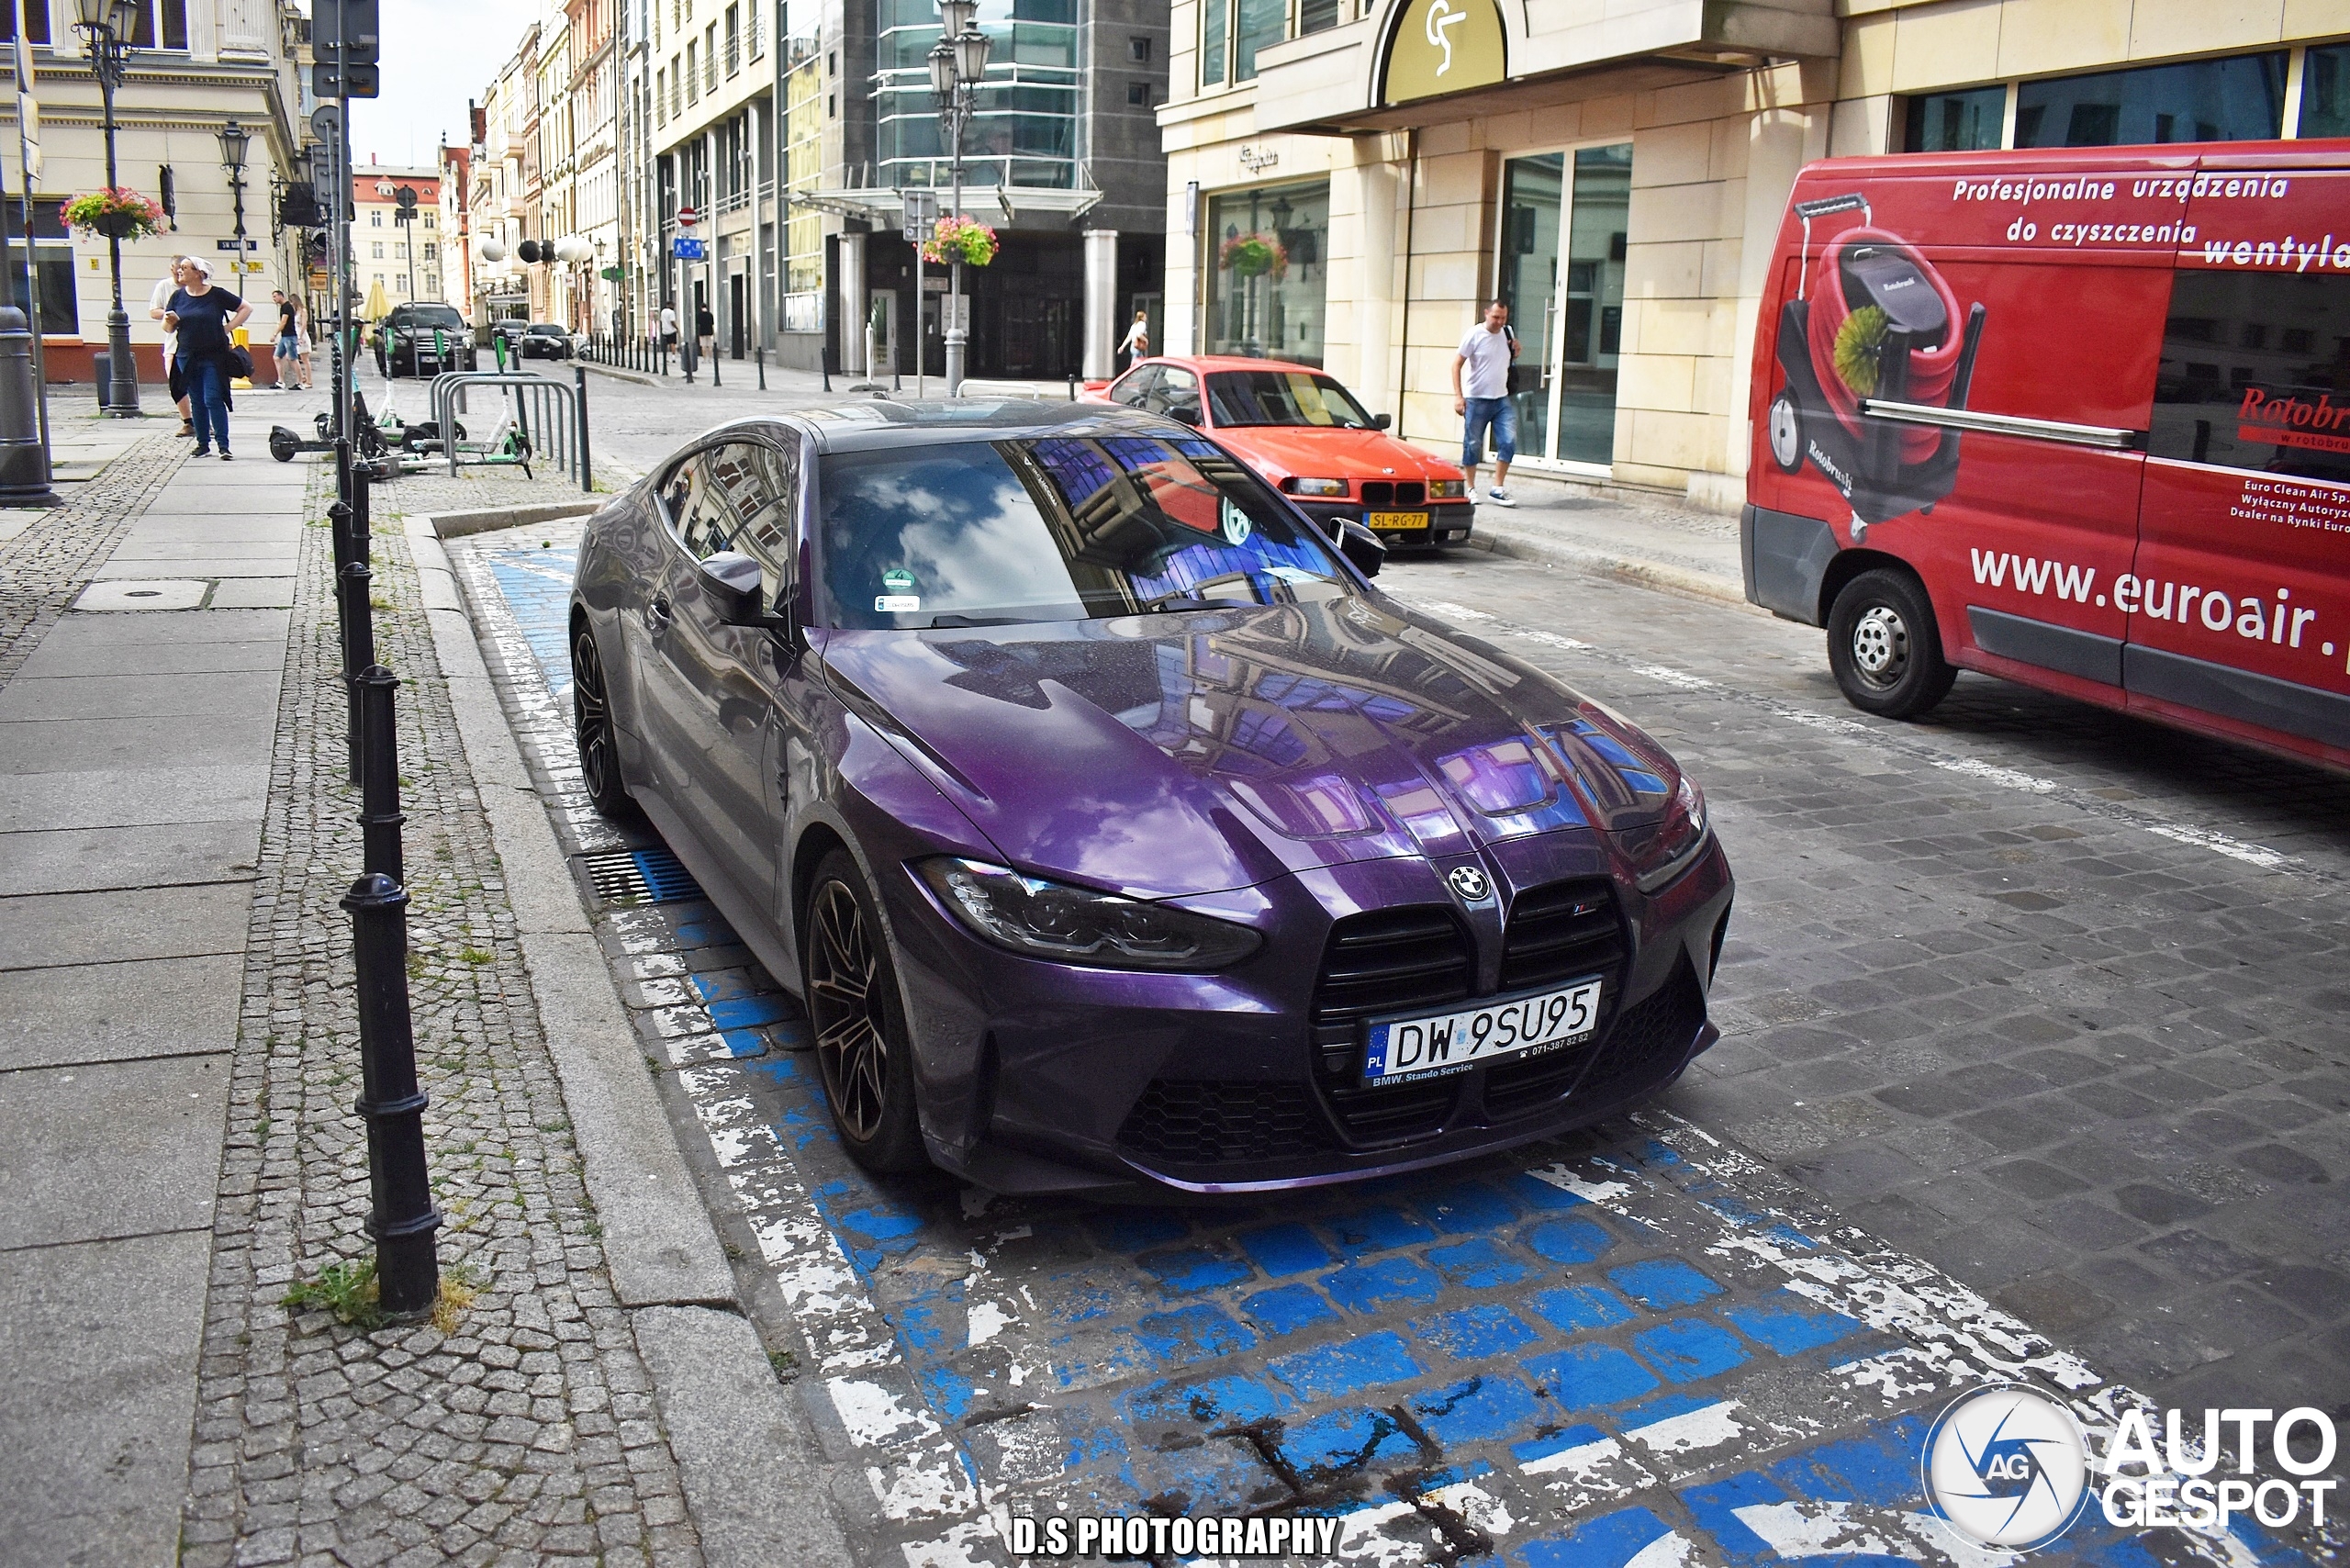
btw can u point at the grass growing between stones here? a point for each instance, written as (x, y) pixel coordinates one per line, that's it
(348, 1290)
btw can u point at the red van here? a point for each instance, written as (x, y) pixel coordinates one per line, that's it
(2076, 418)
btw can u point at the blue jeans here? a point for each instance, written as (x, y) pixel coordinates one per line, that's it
(207, 399)
(1501, 415)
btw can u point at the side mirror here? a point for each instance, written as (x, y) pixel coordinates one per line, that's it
(1380, 421)
(733, 582)
(1361, 548)
(1187, 412)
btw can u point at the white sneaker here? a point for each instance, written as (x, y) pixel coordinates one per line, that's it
(1500, 496)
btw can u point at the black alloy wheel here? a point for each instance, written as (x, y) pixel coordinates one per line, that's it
(1885, 647)
(853, 1011)
(591, 726)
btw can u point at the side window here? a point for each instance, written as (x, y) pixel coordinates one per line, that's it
(1178, 390)
(2255, 374)
(762, 485)
(1135, 388)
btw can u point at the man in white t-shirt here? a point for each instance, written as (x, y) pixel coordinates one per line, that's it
(1483, 400)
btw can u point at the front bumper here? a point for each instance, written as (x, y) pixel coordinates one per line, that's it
(1450, 522)
(1047, 1077)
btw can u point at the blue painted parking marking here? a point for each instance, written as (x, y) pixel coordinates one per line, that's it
(1630, 1349)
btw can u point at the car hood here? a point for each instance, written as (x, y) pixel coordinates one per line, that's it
(1330, 454)
(1161, 756)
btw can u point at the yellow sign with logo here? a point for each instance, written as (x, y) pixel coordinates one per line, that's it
(1446, 46)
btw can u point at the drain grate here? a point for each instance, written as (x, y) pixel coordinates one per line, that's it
(640, 876)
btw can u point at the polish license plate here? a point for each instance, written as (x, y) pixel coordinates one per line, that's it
(1396, 522)
(1432, 1045)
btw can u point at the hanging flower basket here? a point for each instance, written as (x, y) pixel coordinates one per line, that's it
(115, 213)
(1254, 255)
(960, 240)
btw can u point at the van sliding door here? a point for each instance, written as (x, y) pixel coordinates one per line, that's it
(2240, 591)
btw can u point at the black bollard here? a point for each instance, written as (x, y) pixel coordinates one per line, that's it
(379, 801)
(338, 521)
(401, 1217)
(1072, 388)
(586, 474)
(760, 354)
(359, 646)
(824, 367)
(716, 353)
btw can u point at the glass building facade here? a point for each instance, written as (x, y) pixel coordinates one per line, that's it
(1024, 130)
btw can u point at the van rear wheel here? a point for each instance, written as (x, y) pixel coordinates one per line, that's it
(1885, 647)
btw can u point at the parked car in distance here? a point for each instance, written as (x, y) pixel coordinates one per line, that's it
(1118, 832)
(423, 339)
(1307, 436)
(2038, 414)
(543, 340)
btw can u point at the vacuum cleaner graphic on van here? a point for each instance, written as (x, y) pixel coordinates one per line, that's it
(1871, 355)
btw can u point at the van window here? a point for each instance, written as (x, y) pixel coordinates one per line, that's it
(2255, 374)
(2325, 92)
(2237, 99)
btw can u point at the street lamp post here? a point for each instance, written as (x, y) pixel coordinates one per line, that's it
(234, 139)
(106, 25)
(957, 63)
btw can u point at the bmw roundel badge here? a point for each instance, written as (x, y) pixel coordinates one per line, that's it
(1470, 883)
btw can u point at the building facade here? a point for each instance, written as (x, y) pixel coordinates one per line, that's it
(195, 64)
(502, 204)
(1615, 171)
(402, 258)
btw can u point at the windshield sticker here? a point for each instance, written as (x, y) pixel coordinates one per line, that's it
(1292, 575)
(1236, 524)
(896, 603)
(897, 579)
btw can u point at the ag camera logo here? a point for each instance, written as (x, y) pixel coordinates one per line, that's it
(2007, 1468)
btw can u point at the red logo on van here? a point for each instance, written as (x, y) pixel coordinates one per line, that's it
(2293, 421)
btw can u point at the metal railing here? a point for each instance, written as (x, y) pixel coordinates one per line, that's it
(539, 420)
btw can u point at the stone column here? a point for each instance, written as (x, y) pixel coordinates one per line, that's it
(754, 126)
(1103, 328)
(850, 284)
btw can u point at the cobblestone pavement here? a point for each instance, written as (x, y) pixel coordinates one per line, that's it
(1666, 1339)
(520, 1429)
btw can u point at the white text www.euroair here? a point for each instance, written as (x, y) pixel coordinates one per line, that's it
(2272, 619)
(2036, 577)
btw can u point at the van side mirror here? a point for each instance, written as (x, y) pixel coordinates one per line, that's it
(733, 582)
(1361, 547)
(1380, 421)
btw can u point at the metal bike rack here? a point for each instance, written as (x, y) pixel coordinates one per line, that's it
(551, 416)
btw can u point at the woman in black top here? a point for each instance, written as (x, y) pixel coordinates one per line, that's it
(204, 317)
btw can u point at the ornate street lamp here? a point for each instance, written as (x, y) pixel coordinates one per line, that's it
(234, 139)
(957, 64)
(106, 25)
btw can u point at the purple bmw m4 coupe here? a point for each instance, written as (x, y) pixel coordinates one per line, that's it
(1115, 829)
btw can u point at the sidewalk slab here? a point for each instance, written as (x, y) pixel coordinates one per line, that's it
(111, 1148)
(126, 1012)
(83, 745)
(81, 696)
(88, 860)
(52, 929)
(100, 1340)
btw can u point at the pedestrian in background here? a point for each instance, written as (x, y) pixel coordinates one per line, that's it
(1484, 402)
(705, 330)
(1136, 347)
(669, 328)
(201, 317)
(158, 301)
(286, 348)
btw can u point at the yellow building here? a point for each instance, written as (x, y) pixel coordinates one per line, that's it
(1614, 170)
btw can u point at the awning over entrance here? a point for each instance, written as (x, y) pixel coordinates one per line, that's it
(884, 205)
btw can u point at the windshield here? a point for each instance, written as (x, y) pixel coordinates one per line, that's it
(432, 316)
(1283, 397)
(1070, 527)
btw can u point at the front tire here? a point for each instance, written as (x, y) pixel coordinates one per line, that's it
(862, 1044)
(1885, 647)
(591, 726)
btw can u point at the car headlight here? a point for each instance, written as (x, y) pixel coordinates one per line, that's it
(1063, 924)
(1664, 849)
(1448, 489)
(1317, 486)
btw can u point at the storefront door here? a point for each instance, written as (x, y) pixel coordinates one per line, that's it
(1563, 225)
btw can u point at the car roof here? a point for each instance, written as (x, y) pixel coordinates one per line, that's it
(869, 424)
(1213, 362)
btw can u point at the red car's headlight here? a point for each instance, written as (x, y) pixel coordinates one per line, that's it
(1315, 487)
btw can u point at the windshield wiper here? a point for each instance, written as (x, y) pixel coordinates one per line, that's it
(1186, 597)
(937, 621)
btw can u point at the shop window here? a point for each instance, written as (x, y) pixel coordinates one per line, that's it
(1565, 218)
(1955, 122)
(52, 261)
(2237, 99)
(2325, 92)
(1266, 277)
(2238, 412)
